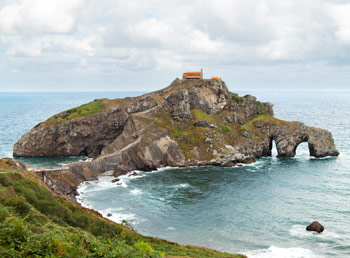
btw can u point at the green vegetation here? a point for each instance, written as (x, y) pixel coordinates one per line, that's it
(225, 128)
(260, 107)
(237, 99)
(201, 115)
(90, 108)
(265, 120)
(7, 164)
(186, 134)
(188, 137)
(36, 223)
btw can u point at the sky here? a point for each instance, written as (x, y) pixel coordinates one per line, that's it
(129, 45)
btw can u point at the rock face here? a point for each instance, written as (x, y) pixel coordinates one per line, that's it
(315, 226)
(191, 122)
(86, 136)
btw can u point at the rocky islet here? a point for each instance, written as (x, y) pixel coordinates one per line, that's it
(189, 123)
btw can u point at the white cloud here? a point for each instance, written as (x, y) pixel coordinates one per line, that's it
(341, 16)
(33, 16)
(115, 36)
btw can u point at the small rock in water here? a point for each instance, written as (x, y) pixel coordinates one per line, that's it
(109, 214)
(76, 193)
(315, 226)
(115, 180)
(133, 174)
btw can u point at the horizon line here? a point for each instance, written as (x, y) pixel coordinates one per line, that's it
(318, 90)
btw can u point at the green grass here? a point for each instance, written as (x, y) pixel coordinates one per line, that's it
(225, 128)
(201, 115)
(260, 107)
(90, 108)
(36, 223)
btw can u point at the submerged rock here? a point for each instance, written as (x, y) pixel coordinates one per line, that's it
(115, 180)
(315, 226)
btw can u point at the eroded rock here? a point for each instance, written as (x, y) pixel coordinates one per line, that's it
(315, 226)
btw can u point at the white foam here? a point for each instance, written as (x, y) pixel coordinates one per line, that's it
(279, 252)
(135, 191)
(119, 217)
(182, 185)
(300, 231)
(170, 228)
(165, 168)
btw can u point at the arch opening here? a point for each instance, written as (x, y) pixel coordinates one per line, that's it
(273, 148)
(302, 150)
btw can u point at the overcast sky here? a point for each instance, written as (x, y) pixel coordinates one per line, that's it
(112, 45)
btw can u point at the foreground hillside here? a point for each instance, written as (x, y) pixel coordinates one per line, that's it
(34, 222)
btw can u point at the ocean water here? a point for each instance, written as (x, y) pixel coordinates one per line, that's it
(22, 111)
(260, 210)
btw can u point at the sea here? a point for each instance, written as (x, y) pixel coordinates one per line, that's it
(260, 210)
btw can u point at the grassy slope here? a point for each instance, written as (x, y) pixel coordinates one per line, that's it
(36, 223)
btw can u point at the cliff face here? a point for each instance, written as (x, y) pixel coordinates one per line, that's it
(196, 122)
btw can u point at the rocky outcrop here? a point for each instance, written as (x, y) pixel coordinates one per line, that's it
(85, 136)
(321, 143)
(7, 164)
(210, 96)
(189, 123)
(287, 137)
(315, 226)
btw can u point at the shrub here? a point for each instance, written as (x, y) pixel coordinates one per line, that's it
(3, 213)
(20, 206)
(225, 128)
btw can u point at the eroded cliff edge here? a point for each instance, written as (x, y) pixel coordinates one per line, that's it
(196, 122)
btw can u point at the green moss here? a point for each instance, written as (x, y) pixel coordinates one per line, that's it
(36, 223)
(90, 108)
(225, 128)
(201, 115)
(176, 132)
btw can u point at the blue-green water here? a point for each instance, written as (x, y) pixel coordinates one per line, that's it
(22, 111)
(260, 210)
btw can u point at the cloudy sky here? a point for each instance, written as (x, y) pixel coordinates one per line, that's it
(112, 45)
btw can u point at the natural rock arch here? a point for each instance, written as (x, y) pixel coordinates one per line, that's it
(287, 139)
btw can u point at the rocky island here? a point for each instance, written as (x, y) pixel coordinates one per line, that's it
(189, 123)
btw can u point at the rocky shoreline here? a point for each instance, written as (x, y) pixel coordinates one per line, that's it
(189, 123)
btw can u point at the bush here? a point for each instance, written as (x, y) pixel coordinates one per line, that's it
(3, 213)
(225, 128)
(20, 207)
